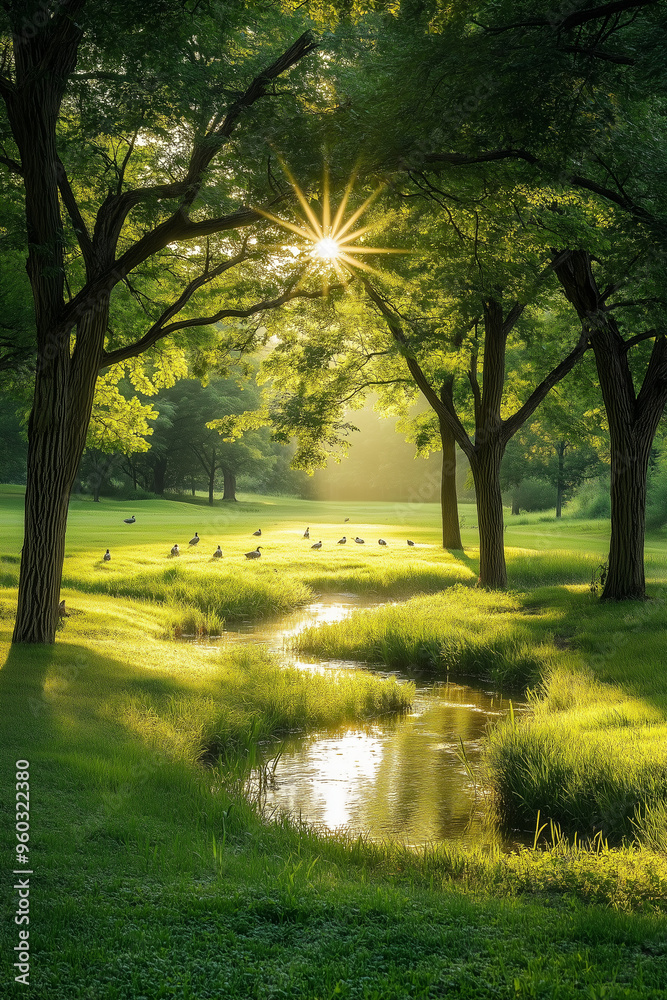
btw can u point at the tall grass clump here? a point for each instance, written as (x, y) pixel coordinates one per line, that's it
(463, 632)
(184, 620)
(589, 758)
(247, 592)
(528, 568)
(250, 699)
(395, 578)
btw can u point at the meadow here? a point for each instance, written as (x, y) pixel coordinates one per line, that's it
(155, 873)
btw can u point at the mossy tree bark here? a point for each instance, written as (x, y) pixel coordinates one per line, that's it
(633, 420)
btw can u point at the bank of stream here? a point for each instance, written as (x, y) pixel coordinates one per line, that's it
(414, 777)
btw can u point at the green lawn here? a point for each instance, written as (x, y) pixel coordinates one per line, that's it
(154, 875)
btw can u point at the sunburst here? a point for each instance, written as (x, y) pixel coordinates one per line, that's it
(326, 240)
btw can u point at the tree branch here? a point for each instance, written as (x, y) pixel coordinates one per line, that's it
(513, 423)
(114, 211)
(79, 226)
(158, 331)
(638, 338)
(653, 393)
(574, 20)
(442, 408)
(15, 167)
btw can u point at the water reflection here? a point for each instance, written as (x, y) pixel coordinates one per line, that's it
(404, 778)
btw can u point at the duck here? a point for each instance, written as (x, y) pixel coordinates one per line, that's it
(255, 554)
(410, 542)
(258, 533)
(129, 520)
(381, 541)
(341, 541)
(346, 520)
(359, 541)
(317, 545)
(107, 556)
(306, 533)
(195, 540)
(218, 553)
(175, 550)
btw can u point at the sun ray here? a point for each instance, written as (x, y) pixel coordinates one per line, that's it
(355, 215)
(285, 224)
(304, 204)
(343, 204)
(372, 250)
(326, 214)
(330, 244)
(356, 263)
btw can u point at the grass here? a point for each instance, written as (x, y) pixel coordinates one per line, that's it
(467, 633)
(591, 756)
(156, 877)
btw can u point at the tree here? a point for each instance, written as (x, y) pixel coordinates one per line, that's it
(492, 431)
(139, 137)
(595, 125)
(186, 446)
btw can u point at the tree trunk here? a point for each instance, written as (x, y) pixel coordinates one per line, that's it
(629, 465)
(229, 478)
(515, 504)
(159, 473)
(211, 478)
(485, 466)
(64, 391)
(451, 532)
(560, 478)
(633, 420)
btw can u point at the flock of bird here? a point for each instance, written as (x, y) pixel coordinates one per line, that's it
(343, 540)
(255, 553)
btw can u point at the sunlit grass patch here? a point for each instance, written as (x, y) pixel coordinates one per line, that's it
(593, 754)
(247, 590)
(462, 631)
(527, 568)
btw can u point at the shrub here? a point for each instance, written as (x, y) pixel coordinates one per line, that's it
(591, 501)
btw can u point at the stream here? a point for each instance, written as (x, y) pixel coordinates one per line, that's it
(404, 777)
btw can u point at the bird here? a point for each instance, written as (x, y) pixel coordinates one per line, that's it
(359, 541)
(218, 553)
(255, 554)
(257, 533)
(317, 545)
(175, 550)
(107, 556)
(381, 541)
(346, 520)
(195, 540)
(306, 533)
(61, 610)
(410, 543)
(341, 541)
(129, 520)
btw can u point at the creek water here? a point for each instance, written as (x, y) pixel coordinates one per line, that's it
(410, 777)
